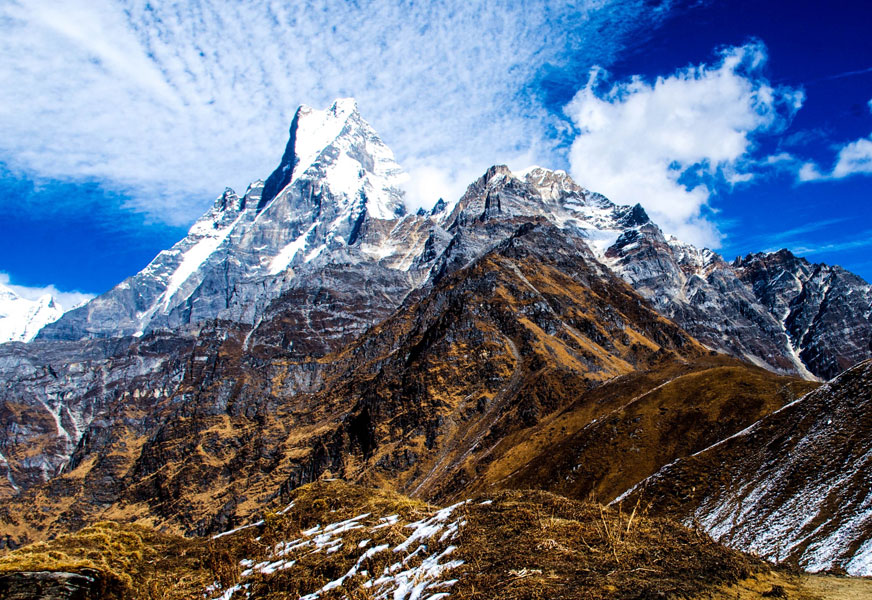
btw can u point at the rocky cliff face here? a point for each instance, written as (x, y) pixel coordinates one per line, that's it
(55, 391)
(825, 310)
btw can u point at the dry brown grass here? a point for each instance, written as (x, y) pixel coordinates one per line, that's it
(523, 545)
(530, 545)
(131, 561)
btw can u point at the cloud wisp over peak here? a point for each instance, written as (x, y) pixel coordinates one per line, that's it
(672, 143)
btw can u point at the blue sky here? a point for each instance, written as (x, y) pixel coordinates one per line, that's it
(742, 126)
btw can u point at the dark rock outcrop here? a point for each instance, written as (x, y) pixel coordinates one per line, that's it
(51, 585)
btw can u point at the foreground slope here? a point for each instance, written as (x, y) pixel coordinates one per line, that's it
(334, 540)
(794, 486)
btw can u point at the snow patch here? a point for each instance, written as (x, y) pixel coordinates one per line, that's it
(408, 579)
(281, 261)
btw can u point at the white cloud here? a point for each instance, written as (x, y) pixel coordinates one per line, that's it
(172, 101)
(809, 172)
(66, 300)
(643, 142)
(854, 158)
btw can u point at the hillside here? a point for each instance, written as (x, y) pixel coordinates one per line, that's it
(792, 487)
(334, 540)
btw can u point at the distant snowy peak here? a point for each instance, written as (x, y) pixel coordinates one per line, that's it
(21, 319)
(537, 192)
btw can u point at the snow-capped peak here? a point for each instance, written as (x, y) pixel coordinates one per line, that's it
(21, 319)
(335, 177)
(316, 129)
(339, 146)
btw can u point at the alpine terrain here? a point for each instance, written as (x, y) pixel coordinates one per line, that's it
(525, 392)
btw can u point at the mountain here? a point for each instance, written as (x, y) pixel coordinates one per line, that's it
(335, 205)
(825, 310)
(21, 319)
(793, 486)
(530, 334)
(333, 200)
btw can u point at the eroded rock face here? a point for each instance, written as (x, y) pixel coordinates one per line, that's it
(54, 392)
(50, 585)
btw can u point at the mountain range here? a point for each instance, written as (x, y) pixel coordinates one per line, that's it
(531, 334)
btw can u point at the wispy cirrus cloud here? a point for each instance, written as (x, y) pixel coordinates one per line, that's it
(170, 101)
(671, 143)
(864, 240)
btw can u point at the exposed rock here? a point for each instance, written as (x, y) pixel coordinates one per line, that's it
(49, 585)
(825, 310)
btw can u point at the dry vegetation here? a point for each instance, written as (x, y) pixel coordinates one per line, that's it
(522, 545)
(130, 561)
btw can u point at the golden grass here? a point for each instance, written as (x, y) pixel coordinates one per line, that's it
(131, 561)
(522, 546)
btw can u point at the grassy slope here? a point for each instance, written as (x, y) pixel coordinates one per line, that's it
(522, 545)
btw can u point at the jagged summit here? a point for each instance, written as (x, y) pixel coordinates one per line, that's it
(336, 176)
(347, 148)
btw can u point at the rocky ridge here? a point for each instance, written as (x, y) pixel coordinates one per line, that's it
(793, 486)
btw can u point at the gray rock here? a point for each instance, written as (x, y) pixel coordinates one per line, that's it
(50, 585)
